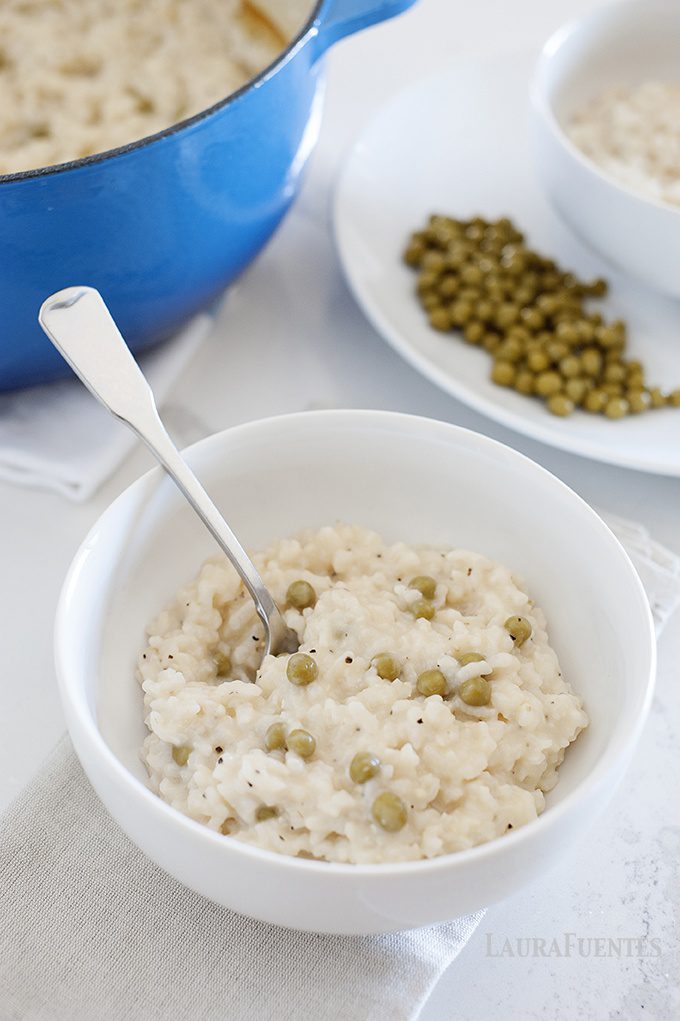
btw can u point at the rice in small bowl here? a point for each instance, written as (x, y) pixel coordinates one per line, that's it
(413, 481)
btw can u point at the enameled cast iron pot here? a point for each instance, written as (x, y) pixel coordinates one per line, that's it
(160, 226)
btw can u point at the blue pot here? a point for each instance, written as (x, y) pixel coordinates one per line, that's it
(161, 226)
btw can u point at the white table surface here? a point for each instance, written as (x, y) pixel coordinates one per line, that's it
(623, 879)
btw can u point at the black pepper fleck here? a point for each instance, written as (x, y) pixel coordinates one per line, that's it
(170, 656)
(219, 749)
(249, 783)
(348, 659)
(469, 571)
(219, 761)
(419, 721)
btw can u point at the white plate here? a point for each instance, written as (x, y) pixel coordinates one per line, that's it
(457, 143)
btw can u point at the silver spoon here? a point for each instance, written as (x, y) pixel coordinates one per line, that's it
(80, 326)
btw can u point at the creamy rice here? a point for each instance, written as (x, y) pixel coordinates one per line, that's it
(465, 775)
(634, 135)
(82, 76)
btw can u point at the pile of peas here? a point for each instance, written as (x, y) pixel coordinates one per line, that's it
(478, 277)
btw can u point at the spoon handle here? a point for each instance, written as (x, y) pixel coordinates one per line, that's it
(80, 326)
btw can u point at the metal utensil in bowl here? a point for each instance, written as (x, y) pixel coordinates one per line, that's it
(82, 329)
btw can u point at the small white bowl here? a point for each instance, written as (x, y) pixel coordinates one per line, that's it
(412, 479)
(623, 43)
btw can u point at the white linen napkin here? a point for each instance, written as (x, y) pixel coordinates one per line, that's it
(91, 928)
(56, 437)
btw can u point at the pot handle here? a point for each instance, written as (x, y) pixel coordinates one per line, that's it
(338, 18)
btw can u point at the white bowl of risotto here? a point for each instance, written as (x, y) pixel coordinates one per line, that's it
(606, 118)
(466, 623)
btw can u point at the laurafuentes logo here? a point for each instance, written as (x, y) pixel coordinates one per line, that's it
(570, 944)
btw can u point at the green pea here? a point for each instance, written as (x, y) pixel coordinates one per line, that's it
(491, 342)
(595, 400)
(507, 315)
(302, 743)
(424, 584)
(576, 389)
(557, 350)
(519, 629)
(473, 332)
(485, 311)
(614, 373)
(301, 595)
(386, 666)
(591, 361)
(638, 401)
(532, 318)
(426, 282)
(433, 262)
(389, 812)
(301, 669)
(275, 738)
(598, 288)
(475, 691)
(567, 332)
(470, 657)
(181, 753)
(363, 767)
(503, 373)
(265, 812)
(524, 382)
(431, 682)
(559, 404)
(414, 253)
(616, 407)
(570, 366)
(222, 664)
(461, 312)
(423, 609)
(440, 319)
(538, 361)
(471, 275)
(430, 301)
(548, 383)
(511, 350)
(608, 336)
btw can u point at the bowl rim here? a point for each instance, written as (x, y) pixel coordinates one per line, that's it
(542, 104)
(292, 47)
(84, 729)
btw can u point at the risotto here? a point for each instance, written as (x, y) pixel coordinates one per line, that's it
(82, 76)
(633, 134)
(424, 713)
